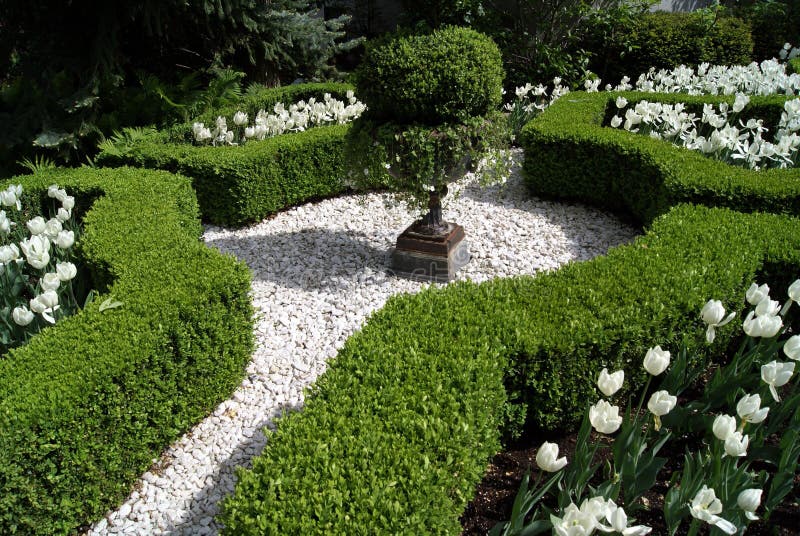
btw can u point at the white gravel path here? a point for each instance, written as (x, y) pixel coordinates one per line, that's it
(318, 272)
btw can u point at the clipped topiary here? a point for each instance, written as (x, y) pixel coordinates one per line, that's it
(441, 77)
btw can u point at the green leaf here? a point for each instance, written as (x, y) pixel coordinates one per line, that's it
(110, 303)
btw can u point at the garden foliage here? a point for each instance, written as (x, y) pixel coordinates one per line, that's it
(238, 185)
(394, 437)
(570, 138)
(665, 40)
(87, 405)
(441, 77)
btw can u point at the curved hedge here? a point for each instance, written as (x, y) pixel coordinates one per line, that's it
(571, 155)
(87, 404)
(395, 436)
(240, 185)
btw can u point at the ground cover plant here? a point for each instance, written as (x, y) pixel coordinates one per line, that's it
(87, 404)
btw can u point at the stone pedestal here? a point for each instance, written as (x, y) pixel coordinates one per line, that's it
(427, 257)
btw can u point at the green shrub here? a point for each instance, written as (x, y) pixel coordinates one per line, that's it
(87, 405)
(239, 185)
(665, 40)
(571, 155)
(395, 436)
(793, 66)
(441, 77)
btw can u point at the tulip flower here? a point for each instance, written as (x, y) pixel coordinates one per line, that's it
(5, 223)
(749, 409)
(65, 239)
(749, 500)
(756, 293)
(656, 360)
(794, 295)
(621, 102)
(63, 215)
(36, 225)
(48, 298)
(616, 121)
(792, 347)
(240, 118)
(68, 203)
(618, 521)
(724, 426)
(776, 374)
(736, 444)
(36, 250)
(574, 523)
(713, 314)
(767, 307)
(66, 271)
(547, 458)
(8, 253)
(22, 316)
(661, 403)
(766, 326)
(705, 506)
(52, 227)
(50, 281)
(604, 417)
(610, 383)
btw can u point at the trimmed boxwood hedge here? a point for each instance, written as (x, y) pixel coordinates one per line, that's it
(569, 154)
(88, 404)
(395, 436)
(240, 185)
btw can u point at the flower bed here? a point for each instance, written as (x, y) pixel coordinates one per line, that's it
(239, 185)
(395, 436)
(86, 405)
(640, 175)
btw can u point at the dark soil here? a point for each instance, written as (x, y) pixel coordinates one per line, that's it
(495, 494)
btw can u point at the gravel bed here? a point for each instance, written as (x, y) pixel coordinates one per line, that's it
(319, 270)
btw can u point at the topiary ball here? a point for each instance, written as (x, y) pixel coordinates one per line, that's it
(441, 77)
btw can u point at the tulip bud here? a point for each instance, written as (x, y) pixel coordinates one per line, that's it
(610, 383)
(547, 458)
(661, 403)
(65, 239)
(656, 360)
(68, 203)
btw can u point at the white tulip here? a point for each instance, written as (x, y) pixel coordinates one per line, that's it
(52, 228)
(656, 360)
(705, 506)
(240, 118)
(5, 223)
(767, 307)
(749, 409)
(766, 326)
(68, 203)
(616, 121)
(36, 225)
(749, 500)
(547, 458)
(65, 239)
(37, 251)
(724, 426)
(661, 403)
(63, 215)
(776, 374)
(736, 444)
(66, 271)
(621, 102)
(37, 306)
(22, 316)
(8, 253)
(791, 347)
(50, 281)
(48, 298)
(756, 293)
(604, 417)
(610, 383)
(713, 314)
